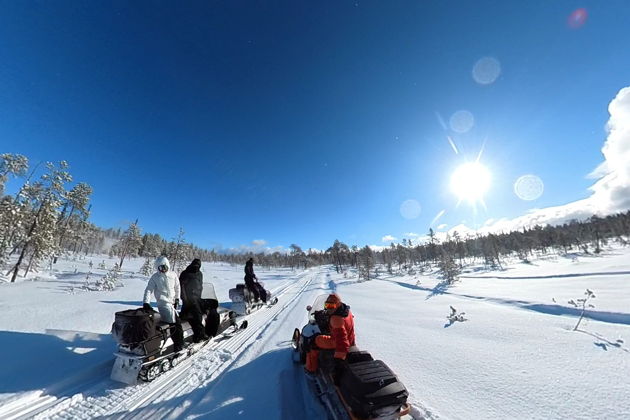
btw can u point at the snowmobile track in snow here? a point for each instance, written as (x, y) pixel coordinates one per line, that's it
(89, 394)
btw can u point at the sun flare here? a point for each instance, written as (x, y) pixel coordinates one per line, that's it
(470, 182)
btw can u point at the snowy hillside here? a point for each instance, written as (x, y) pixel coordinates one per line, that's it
(514, 356)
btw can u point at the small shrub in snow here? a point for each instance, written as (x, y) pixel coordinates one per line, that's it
(110, 280)
(86, 285)
(582, 304)
(454, 316)
(448, 268)
(102, 266)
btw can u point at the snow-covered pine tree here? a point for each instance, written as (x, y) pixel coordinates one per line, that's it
(12, 211)
(44, 242)
(74, 214)
(297, 255)
(147, 267)
(46, 197)
(354, 256)
(11, 165)
(448, 267)
(339, 252)
(366, 258)
(177, 256)
(152, 245)
(129, 244)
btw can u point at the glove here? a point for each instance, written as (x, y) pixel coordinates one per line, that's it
(340, 367)
(176, 304)
(147, 307)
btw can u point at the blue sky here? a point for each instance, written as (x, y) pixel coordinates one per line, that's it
(305, 122)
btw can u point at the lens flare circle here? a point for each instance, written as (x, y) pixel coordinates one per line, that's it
(471, 181)
(577, 18)
(410, 209)
(462, 121)
(528, 187)
(486, 70)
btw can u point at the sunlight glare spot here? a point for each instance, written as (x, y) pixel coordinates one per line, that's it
(410, 209)
(470, 182)
(528, 187)
(462, 121)
(486, 70)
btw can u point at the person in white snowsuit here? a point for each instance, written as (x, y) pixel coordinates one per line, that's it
(164, 285)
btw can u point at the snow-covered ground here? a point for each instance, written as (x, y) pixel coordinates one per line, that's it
(516, 355)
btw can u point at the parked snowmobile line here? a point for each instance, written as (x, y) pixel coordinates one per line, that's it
(366, 390)
(243, 302)
(145, 346)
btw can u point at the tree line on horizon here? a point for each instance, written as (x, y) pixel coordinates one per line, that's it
(45, 219)
(454, 252)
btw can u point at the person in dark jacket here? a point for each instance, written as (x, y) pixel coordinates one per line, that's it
(251, 281)
(194, 307)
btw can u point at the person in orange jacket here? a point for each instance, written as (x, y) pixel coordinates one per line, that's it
(341, 338)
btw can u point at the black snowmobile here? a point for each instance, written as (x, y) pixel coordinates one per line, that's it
(145, 346)
(243, 301)
(366, 389)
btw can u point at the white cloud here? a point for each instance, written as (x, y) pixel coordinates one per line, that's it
(410, 235)
(388, 238)
(259, 242)
(611, 191)
(442, 226)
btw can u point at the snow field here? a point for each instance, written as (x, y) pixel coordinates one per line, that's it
(515, 356)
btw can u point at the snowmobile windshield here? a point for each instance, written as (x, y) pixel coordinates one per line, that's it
(318, 305)
(208, 291)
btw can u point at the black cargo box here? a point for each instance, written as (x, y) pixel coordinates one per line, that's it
(133, 326)
(370, 385)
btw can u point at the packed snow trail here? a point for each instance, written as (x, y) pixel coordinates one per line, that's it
(182, 396)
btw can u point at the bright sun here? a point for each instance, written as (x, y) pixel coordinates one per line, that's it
(470, 182)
